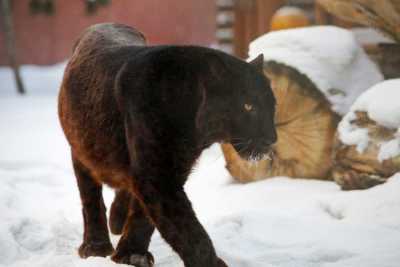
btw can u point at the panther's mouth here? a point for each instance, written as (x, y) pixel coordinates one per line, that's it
(254, 153)
(260, 157)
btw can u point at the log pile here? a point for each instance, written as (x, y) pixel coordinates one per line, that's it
(310, 91)
(309, 143)
(354, 169)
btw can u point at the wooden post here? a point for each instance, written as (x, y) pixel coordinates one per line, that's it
(322, 17)
(10, 43)
(252, 19)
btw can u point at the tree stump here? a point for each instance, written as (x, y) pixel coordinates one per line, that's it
(306, 128)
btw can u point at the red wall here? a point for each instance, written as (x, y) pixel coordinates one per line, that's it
(43, 39)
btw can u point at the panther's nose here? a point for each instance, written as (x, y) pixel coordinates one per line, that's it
(266, 143)
(270, 140)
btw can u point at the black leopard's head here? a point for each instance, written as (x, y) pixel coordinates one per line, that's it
(252, 129)
(242, 107)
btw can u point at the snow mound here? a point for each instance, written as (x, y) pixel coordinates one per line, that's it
(330, 56)
(382, 105)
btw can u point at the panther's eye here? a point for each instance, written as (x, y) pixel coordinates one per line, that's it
(248, 107)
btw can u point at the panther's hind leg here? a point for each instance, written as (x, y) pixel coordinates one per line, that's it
(96, 241)
(119, 211)
(133, 246)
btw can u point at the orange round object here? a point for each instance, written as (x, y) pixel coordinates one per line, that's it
(289, 17)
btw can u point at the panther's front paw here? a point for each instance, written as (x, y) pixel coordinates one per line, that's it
(137, 260)
(101, 249)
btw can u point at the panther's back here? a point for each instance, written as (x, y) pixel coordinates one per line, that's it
(87, 109)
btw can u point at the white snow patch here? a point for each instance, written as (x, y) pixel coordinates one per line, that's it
(389, 149)
(279, 222)
(38, 80)
(328, 55)
(289, 11)
(382, 105)
(365, 35)
(351, 134)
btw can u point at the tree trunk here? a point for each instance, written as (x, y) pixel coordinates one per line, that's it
(10, 43)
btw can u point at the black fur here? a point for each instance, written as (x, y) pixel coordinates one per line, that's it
(137, 118)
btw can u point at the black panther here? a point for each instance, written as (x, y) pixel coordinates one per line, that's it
(137, 117)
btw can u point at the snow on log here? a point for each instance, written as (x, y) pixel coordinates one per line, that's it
(329, 56)
(367, 149)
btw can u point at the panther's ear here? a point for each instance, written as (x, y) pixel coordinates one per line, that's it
(258, 62)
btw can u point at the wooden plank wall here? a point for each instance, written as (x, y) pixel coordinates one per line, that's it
(252, 19)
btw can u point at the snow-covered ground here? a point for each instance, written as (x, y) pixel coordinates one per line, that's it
(277, 222)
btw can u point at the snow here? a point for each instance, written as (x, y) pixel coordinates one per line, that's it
(330, 56)
(40, 80)
(225, 17)
(289, 11)
(390, 149)
(350, 134)
(365, 35)
(382, 105)
(278, 222)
